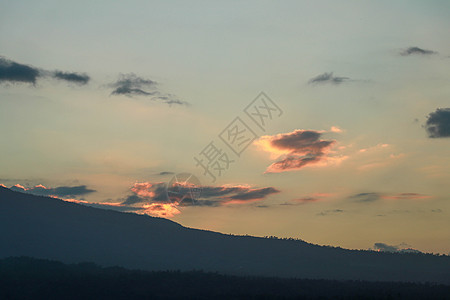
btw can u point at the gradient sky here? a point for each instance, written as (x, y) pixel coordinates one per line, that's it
(124, 91)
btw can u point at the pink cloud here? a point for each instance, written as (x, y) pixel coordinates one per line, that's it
(20, 187)
(336, 129)
(297, 149)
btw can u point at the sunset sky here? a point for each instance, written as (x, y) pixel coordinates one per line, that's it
(104, 102)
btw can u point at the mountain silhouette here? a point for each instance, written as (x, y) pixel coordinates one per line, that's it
(50, 228)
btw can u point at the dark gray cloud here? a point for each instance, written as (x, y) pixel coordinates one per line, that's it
(17, 73)
(131, 85)
(302, 141)
(404, 248)
(127, 84)
(416, 51)
(328, 78)
(255, 194)
(124, 90)
(132, 199)
(166, 173)
(13, 72)
(438, 123)
(62, 191)
(77, 78)
(366, 197)
(122, 208)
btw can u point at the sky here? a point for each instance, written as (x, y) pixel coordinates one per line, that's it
(325, 121)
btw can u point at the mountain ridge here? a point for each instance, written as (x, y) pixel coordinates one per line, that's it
(50, 228)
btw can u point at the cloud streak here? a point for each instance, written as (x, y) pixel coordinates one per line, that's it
(331, 212)
(416, 51)
(372, 197)
(328, 78)
(80, 79)
(315, 197)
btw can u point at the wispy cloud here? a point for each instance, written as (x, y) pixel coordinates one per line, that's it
(250, 195)
(404, 248)
(416, 51)
(314, 197)
(331, 212)
(438, 123)
(405, 196)
(328, 78)
(77, 78)
(131, 85)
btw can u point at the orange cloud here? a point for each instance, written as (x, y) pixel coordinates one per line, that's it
(40, 186)
(163, 210)
(20, 187)
(143, 189)
(72, 200)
